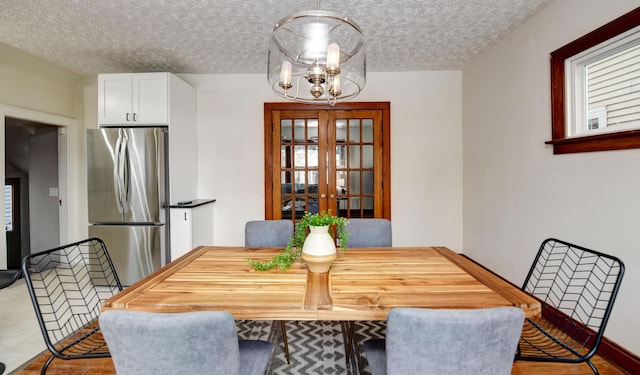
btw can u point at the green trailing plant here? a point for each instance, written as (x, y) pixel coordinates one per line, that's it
(292, 252)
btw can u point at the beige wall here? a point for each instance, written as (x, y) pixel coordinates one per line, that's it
(516, 192)
(426, 152)
(36, 90)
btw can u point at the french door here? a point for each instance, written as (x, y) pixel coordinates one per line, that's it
(327, 158)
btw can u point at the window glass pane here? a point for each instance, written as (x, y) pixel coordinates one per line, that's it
(367, 182)
(341, 156)
(354, 182)
(613, 93)
(354, 131)
(367, 130)
(341, 130)
(367, 156)
(299, 131)
(312, 156)
(354, 157)
(299, 157)
(8, 207)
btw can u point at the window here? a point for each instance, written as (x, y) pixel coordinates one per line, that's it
(595, 89)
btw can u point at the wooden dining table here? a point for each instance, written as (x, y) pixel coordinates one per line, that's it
(362, 284)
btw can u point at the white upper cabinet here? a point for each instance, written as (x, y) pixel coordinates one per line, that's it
(133, 99)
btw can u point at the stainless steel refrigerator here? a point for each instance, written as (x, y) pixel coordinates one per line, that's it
(128, 188)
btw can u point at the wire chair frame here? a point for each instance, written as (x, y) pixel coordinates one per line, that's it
(578, 287)
(67, 286)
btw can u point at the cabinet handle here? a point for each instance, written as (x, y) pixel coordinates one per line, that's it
(134, 117)
(127, 117)
(323, 195)
(185, 216)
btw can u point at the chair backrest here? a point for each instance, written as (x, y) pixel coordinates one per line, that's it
(203, 342)
(369, 233)
(430, 341)
(268, 233)
(578, 283)
(67, 286)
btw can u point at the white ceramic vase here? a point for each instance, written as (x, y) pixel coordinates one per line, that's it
(319, 249)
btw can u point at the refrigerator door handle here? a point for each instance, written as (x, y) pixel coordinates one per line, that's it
(116, 172)
(124, 173)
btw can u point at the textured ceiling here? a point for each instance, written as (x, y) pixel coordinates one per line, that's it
(231, 36)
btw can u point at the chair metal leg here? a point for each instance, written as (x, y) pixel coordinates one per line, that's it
(285, 342)
(352, 325)
(43, 371)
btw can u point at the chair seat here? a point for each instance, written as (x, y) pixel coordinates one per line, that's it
(375, 352)
(254, 356)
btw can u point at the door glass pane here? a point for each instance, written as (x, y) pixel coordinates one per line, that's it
(299, 181)
(285, 183)
(341, 156)
(354, 207)
(367, 182)
(367, 156)
(354, 157)
(367, 130)
(312, 156)
(341, 130)
(312, 131)
(341, 182)
(299, 131)
(354, 131)
(354, 183)
(299, 157)
(285, 130)
(367, 207)
(285, 156)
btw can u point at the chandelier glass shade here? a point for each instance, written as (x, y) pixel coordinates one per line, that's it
(317, 57)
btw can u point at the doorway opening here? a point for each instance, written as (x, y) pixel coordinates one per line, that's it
(35, 172)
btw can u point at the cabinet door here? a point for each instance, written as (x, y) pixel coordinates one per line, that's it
(114, 99)
(181, 233)
(150, 99)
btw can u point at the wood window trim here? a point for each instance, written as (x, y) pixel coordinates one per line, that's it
(384, 107)
(600, 142)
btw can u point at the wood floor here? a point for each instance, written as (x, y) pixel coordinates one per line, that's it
(104, 366)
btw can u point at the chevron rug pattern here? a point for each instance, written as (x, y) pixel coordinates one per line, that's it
(315, 347)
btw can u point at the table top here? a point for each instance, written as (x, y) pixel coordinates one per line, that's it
(363, 284)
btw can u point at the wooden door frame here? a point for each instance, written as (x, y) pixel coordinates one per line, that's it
(385, 107)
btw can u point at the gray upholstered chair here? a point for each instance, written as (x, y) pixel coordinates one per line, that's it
(429, 341)
(366, 233)
(270, 233)
(369, 233)
(203, 342)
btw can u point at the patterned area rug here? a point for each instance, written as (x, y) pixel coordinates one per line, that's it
(314, 347)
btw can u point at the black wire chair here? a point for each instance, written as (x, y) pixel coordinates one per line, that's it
(577, 287)
(67, 286)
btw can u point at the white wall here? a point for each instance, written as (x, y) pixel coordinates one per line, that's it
(426, 152)
(516, 192)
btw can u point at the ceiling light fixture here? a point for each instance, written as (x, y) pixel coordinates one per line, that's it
(317, 57)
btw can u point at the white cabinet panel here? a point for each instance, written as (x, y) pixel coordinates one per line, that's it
(133, 99)
(191, 227)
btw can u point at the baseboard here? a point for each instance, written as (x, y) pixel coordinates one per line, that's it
(609, 350)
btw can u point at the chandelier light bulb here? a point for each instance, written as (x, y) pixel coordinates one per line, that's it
(285, 73)
(333, 57)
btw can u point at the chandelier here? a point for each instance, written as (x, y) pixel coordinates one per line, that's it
(317, 57)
